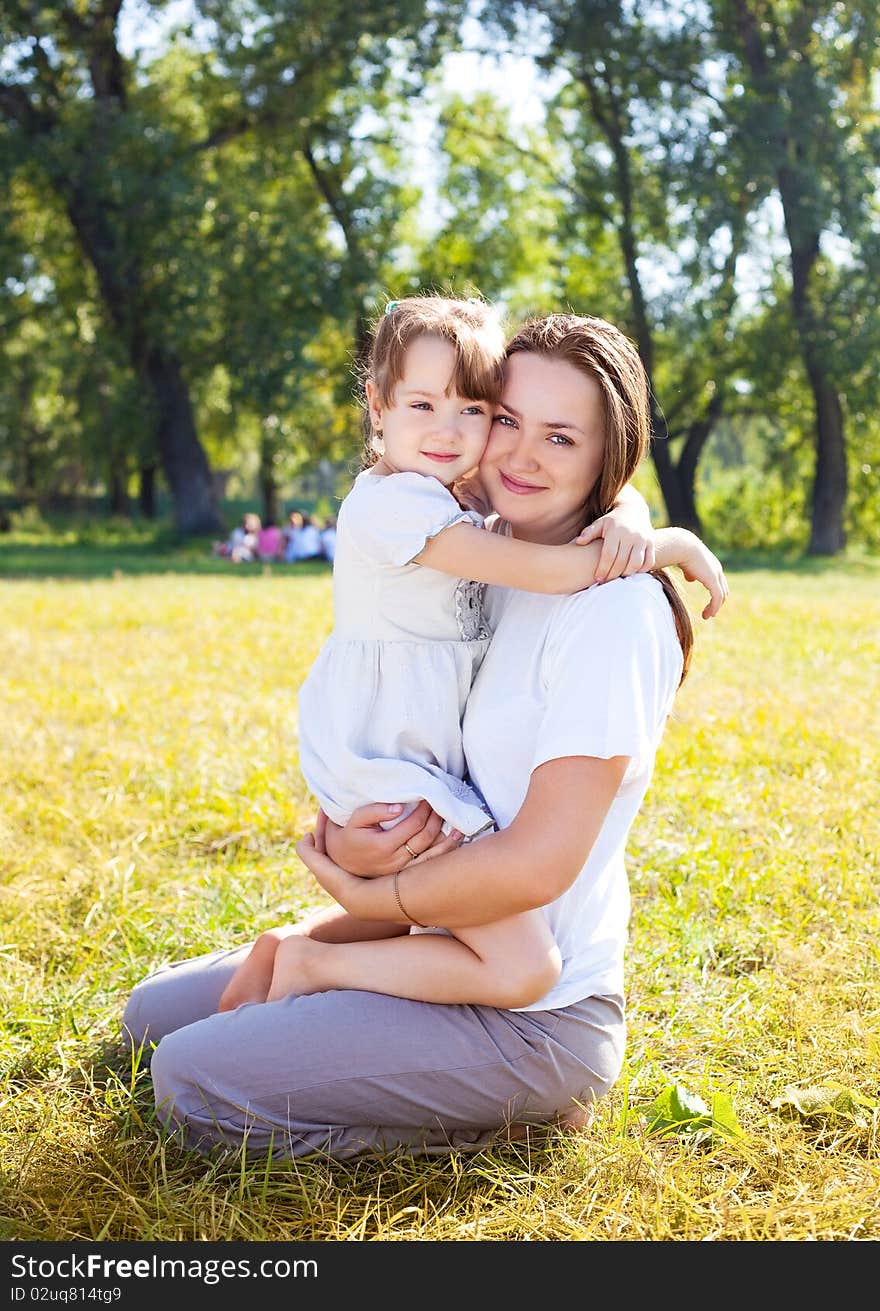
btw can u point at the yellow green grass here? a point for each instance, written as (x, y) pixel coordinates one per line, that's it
(150, 800)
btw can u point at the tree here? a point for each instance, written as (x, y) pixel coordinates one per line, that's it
(634, 148)
(804, 68)
(128, 167)
(67, 107)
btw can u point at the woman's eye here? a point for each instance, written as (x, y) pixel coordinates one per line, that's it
(560, 439)
(504, 419)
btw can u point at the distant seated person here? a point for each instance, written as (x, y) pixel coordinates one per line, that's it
(290, 530)
(270, 542)
(241, 545)
(328, 539)
(304, 543)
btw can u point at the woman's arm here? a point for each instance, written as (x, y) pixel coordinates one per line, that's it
(528, 864)
(334, 924)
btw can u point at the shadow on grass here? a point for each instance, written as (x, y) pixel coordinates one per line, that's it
(797, 562)
(74, 555)
(48, 559)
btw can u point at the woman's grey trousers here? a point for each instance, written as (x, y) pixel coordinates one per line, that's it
(342, 1073)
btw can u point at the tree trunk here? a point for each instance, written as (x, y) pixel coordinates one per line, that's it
(676, 488)
(118, 486)
(798, 191)
(827, 534)
(270, 499)
(181, 454)
(828, 501)
(147, 491)
(184, 462)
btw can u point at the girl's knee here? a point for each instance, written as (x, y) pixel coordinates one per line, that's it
(535, 973)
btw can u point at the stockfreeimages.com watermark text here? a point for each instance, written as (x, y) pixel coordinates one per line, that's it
(210, 1270)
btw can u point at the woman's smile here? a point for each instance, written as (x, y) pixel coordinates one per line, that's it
(518, 486)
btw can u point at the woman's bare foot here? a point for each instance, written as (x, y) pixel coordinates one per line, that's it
(574, 1120)
(295, 969)
(253, 978)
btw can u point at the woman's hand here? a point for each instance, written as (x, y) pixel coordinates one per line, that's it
(363, 848)
(627, 543)
(343, 887)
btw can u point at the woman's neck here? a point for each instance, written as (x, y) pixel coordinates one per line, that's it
(541, 534)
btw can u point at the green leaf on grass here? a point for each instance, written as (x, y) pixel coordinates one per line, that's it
(678, 1111)
(825, 1100)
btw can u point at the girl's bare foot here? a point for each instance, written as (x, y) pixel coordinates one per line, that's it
(252, 980)
(295, 971)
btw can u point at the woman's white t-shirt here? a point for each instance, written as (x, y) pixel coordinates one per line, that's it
(593, 674)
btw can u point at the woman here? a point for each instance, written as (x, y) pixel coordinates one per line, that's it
(561, 729)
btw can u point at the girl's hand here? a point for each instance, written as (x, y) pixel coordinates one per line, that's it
(701, 566)
(363, 848)
(627, 543)
(470, 493)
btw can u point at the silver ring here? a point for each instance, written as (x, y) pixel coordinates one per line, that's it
(410, 850)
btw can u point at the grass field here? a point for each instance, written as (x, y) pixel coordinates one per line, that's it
(150, 800)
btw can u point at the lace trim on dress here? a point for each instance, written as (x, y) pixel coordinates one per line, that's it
(469, 610)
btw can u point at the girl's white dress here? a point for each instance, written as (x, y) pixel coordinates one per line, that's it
(381, 709)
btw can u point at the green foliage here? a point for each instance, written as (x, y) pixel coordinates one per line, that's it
(676, 1111)
(248, 192)
(827, 1102)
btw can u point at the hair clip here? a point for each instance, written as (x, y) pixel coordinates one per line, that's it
(391, 306)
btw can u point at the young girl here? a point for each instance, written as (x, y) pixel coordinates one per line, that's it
(380, 712)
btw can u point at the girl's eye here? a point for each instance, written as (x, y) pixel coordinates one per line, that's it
(474, 409)
(421, 405)
(559, 438)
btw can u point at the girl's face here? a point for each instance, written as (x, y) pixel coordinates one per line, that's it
(428, 428)
(546, 448)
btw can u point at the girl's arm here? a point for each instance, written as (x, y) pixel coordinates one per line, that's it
(678, 546)
(466, 551)
(528, 864)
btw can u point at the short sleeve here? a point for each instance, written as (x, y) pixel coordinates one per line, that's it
(611, 667)
(389, 519)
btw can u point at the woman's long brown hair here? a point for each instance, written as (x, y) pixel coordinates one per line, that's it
(603, 352)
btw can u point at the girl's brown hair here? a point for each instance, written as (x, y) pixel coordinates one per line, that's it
(603, 352)
(471, 327)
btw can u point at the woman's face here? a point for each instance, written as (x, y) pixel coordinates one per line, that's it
(545, 448)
